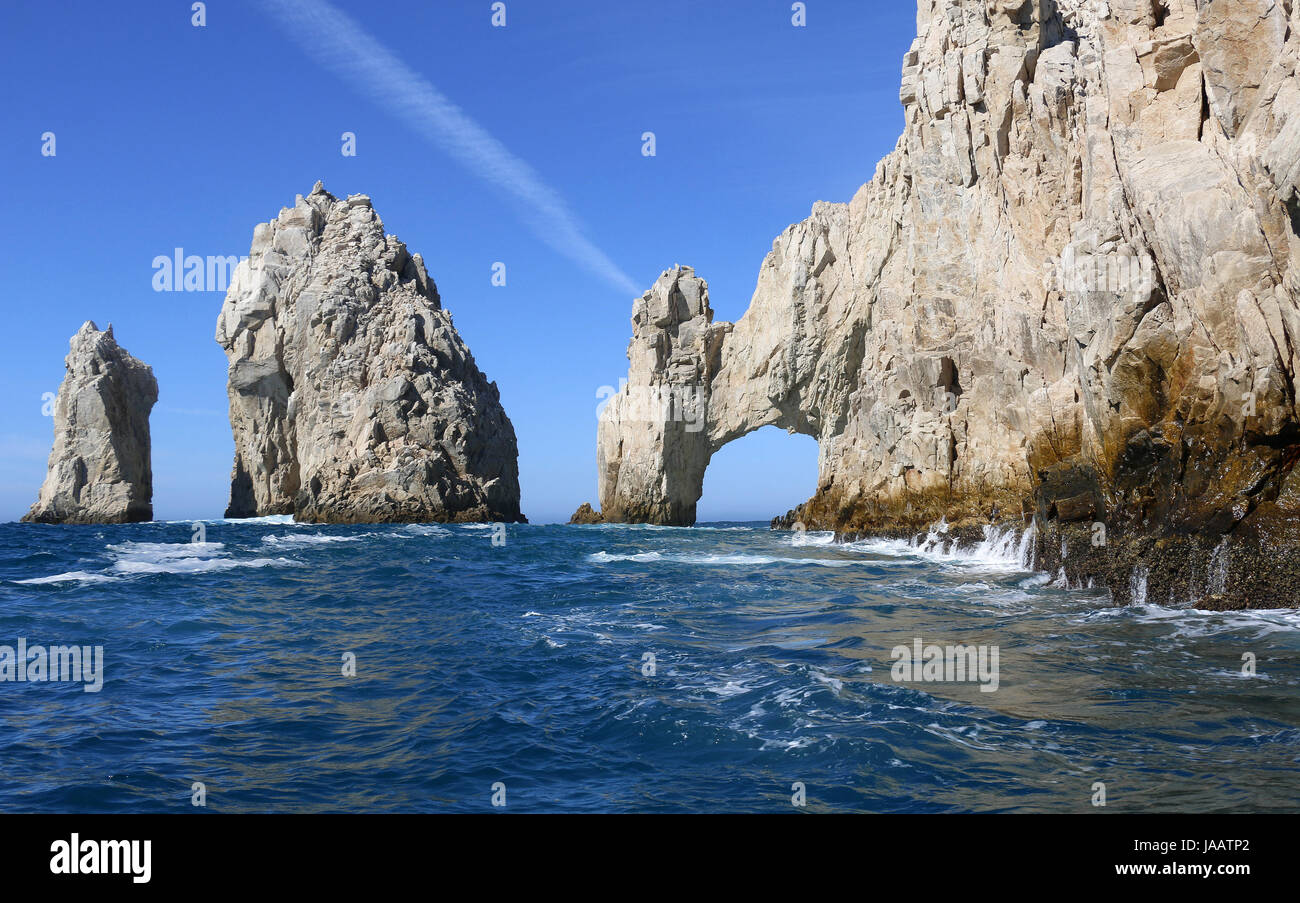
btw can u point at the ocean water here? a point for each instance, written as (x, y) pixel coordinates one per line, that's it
(722, 668)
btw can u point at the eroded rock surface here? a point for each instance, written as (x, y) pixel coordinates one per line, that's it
(586, 515)
(1067, 298)
(352, 397)
(652, 444)
(99, 470)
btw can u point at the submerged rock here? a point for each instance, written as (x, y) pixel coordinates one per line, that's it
(352, 397)
(99, 469)
(1067, 298)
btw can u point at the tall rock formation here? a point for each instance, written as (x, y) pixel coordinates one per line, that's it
(99, 470)
(1068, 298)
(352, 397)
(652, 447)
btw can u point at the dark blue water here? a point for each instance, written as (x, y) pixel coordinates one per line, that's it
(522, 663)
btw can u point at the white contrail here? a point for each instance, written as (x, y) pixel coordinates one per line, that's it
(339, 43)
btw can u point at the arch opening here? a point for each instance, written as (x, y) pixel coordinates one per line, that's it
(759, 476)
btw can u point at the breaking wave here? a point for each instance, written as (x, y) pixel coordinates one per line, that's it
(1002, 548)
(70, 577)
(307, 539)
(279, 520)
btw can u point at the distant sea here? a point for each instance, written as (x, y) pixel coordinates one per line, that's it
(721, 668)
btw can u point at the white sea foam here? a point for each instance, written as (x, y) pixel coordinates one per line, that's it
(796, 743)
(1001, 549)
(740, 559)
(833, 682)
(730, 688)
(307, 539)
(196, 565)
(819, 538)
(164, 550)
(745, 558)
(605, 557)
(183, 558)
(70, 577)
(1197, 623)
(280, 520)
(428, 530)
(135, 558)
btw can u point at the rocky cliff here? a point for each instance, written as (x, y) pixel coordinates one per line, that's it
(352, 397)
(99, 470)
(1067, 301)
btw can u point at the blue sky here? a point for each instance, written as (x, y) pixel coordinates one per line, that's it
(168, 136)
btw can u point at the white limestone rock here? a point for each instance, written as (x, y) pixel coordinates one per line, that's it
(352, 397)
(99, 469)
(1070, 293)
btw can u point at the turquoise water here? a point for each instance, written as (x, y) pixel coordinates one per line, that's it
(526, 662)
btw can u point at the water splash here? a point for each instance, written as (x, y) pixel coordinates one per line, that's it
(1000, 548)
(1137, 585)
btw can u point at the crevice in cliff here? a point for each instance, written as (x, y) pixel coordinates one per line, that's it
(1283, 360)
(1205, 109)
(1159, 296)
(948, 378)
(1159, 12)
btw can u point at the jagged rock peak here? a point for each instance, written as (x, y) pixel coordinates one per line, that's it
(352, 397)
(586, 515)
(99, 469)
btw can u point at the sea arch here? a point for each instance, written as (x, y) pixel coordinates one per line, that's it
(695, 385)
